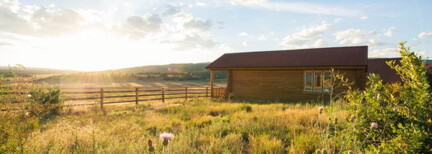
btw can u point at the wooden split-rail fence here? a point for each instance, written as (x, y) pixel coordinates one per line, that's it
(79, 97)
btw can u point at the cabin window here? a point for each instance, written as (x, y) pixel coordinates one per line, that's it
(308, 81)
(317, 81)
(327, 82)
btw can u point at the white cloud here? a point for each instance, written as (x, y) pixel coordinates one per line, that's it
(389, 32)
(10, 20)
(187, 31)
(200, 24)
(356, 37)
(363, 17)
(31, 20)
(172, 10)
(12, 6)
(385, 52)
(55, 37)
(307, 37)
(187, 20)
(200, 4)
(245, 43)
(243, 34)
(247, 2)
(5, 44)
(181, 29)
(193, 41)
(298, 7)
(319, 43)
(139, 26)
(425, 35)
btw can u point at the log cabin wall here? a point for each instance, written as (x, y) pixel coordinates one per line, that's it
(285, 84)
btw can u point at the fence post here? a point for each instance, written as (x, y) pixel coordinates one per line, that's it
(163, 95)
(206, 92)
(102, 100)
(186, 92)
(136, 96)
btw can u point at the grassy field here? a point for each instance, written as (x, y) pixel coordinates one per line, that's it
(148, 84)
(199, 126)
(383, 118)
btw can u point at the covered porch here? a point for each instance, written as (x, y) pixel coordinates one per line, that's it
(220, 91)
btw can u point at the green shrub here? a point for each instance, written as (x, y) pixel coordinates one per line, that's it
(45, 101)
(16, 125)
(402, 112)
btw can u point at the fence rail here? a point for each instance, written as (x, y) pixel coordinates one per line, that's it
(103, 96)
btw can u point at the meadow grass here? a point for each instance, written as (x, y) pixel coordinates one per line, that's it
(199, 126)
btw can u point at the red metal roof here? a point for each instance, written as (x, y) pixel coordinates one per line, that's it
(379, 66)
(335, 56)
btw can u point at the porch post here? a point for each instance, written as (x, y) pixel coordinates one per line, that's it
(228, 84)
(211, 83)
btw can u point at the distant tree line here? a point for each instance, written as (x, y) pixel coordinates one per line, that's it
(168, 76)
(126, 76)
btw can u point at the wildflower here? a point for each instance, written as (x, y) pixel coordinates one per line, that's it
(166, 137)
(29, 95)
(374, 125)
(352, 117)
(149, 143)
(320, 109)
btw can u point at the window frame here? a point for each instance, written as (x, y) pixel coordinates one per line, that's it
(312, 83)
(320, 81)
(331, 81)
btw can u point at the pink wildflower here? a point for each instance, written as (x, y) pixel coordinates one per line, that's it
(166, 136)
(374, 125)
(320, 109)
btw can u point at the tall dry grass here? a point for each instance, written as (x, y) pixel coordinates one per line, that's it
(199, 126)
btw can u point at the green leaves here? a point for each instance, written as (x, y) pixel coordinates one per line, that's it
(397, 104)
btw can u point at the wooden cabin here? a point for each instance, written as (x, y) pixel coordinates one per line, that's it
(289, 75)
(389, 75)
(380, 67)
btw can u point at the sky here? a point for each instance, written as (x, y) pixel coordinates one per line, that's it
(110, 34)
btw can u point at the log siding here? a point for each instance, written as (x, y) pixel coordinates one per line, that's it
(285, 84)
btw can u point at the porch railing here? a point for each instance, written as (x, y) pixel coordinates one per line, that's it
(219, 92)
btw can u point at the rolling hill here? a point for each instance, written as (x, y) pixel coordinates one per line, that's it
(186, 67)
(37, 71)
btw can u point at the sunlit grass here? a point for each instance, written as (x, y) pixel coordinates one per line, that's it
(200, 126)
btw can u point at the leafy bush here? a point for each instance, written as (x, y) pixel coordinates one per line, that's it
(16, 124)
(23, 105)
(402, 112)
(45, 101)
